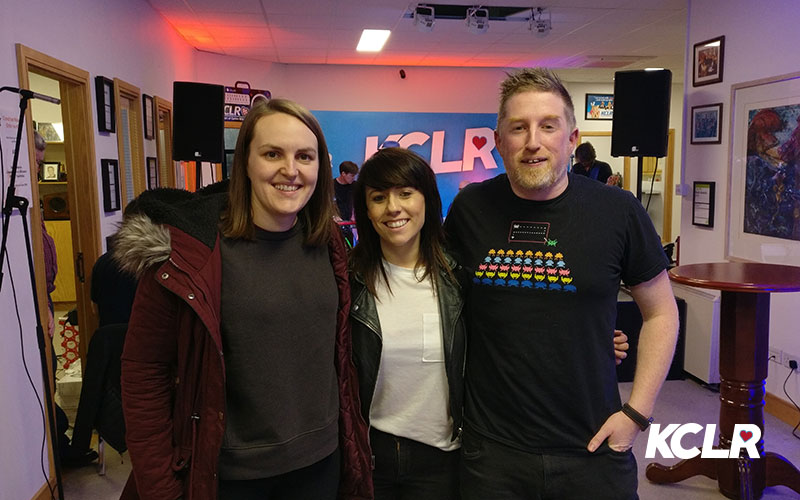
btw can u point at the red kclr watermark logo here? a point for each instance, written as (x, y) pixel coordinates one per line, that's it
(745, 436)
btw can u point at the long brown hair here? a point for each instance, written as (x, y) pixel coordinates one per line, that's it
(316, 216)
(397, 167)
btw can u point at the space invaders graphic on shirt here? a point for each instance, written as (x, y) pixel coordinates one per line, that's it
(543, 269)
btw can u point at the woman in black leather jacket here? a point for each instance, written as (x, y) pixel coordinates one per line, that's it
(409, 340)
(409, 337)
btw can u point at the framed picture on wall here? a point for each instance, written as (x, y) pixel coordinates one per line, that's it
(110, 174)
(708, 61)
(763, 206)
(707, 124)
(703, 204)
(152, 172)
(599, 106)
(106, 110)
(50, 171)
(149, 116)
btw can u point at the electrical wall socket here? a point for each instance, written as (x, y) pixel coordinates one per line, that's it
(776, 355)
(789, 357)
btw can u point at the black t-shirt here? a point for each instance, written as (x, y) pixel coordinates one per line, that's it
(603, 170)
(540, 371)
(343, 194)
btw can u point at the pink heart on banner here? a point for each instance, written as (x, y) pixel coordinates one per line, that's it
(479, 142)
(746, 435)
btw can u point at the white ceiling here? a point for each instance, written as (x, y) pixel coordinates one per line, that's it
(624, 34)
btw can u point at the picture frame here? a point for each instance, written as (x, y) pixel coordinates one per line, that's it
(764, 156)
(152, 172)
(706, 124)
(106, 107)
(109, 170)
(50, 171)
(708, 61)
(51, 132)
(599, 107)
(148, 116)
(703, 203)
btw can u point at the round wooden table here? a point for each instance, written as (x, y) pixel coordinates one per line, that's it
(744, 354)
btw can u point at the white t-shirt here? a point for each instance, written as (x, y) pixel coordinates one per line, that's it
(411, 395)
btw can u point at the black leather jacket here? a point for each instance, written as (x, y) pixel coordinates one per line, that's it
(368, 343)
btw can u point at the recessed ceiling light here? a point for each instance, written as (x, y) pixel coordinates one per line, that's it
(372, 40)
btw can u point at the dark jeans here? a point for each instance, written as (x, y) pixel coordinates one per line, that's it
(493, 470)
(409, 470)
(319, 481)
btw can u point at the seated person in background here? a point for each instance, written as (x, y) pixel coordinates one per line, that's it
(587, 164)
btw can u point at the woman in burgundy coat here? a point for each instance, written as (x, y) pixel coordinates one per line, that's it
(236, 376)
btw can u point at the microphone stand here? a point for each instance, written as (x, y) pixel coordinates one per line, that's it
(21, 204)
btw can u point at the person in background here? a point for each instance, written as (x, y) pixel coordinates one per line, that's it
(48, 245)
(588, 166)
(547, 251)
(237, 378)
(343, 195)
(409, 336)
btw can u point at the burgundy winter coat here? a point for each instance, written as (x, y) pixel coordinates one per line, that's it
(173, 368)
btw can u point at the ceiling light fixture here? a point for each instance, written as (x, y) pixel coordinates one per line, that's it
(477, 20)
(541, 21)
(372, 40)
(424, 18)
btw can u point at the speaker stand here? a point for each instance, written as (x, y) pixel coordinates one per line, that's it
(639, 174)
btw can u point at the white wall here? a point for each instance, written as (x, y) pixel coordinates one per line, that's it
(380, 88)
(124, 39)
(759, 43)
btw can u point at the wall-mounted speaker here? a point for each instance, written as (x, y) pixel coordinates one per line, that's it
(55, 206)
(641, 113)
(198, 121)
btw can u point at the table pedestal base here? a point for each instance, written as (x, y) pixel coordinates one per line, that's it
(738, 479)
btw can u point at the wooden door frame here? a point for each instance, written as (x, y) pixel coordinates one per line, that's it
(164, 106)
(123, 89)
(669, 176)
(76, 107)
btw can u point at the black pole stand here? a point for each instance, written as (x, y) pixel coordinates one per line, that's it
(13, 201)
(639, 174)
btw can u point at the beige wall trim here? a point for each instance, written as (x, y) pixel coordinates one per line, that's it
(781, 409)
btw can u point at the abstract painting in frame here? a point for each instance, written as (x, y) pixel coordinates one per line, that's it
(764, 191)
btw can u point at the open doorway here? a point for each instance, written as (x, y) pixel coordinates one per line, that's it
(70, 155)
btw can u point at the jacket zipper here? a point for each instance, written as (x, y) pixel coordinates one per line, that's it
(195, 417)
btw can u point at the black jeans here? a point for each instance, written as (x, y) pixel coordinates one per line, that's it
(409, 470)
(319, 481)
(490, 469)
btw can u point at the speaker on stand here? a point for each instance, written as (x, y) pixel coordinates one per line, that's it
(198, 123)
(641, 116)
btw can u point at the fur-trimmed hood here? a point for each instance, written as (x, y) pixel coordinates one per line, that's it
(144, 240)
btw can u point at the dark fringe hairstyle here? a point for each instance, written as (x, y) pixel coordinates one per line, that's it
(397, 167)
(316, 218)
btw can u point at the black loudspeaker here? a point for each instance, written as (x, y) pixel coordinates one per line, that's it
(641, 113)
(198, 121)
